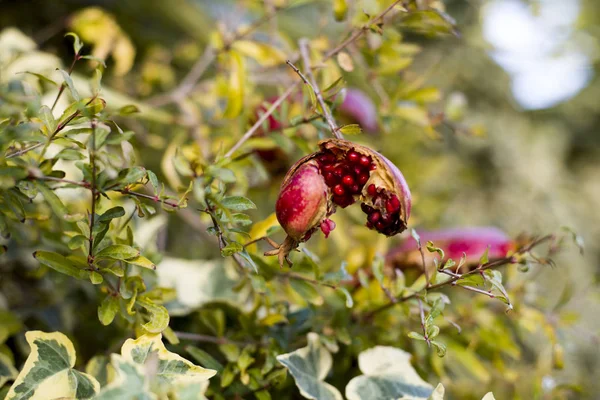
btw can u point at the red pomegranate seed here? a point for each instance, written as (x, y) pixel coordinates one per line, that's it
(364, 160)
(392, 205)
(326, 158)
(348, 180)
(366, 209)
(372, 167)
(355, 188)
(371, 190)
(353, 156)
(328, 167)
(339, 190)
(330, 179)
(379, 225)
(339, 171)
(374, 217)
(357, 170)
(363, 178)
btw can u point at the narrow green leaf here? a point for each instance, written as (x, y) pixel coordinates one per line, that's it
(56, 204)
(238, 203)
(118, 252)
(352, 129)
(346, 293)
(115, 212)
(153, 181)
(416, 336)
(60, 263)
(77, 44)
(158, 315)
(231, 249)
(307, 291)
(47, 118)
(204, 359)
(70, 85)
(141, 261)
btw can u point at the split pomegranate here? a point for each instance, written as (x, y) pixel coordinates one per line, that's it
(338, 175)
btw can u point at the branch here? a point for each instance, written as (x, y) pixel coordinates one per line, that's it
(455, 277)
(206, 59)
(304, 52)
(262, 119)
(361, 31)
(197, 337)
(90, 257)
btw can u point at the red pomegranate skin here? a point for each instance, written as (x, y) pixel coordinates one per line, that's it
(302, 203)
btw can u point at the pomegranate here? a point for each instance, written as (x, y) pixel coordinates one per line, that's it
(473, 241)
(360, 109)
(338, 175)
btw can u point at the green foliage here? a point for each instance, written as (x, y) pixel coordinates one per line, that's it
(127, 175)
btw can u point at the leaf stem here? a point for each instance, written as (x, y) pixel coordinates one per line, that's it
(90, 258)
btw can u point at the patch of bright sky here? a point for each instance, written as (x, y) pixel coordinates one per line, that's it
(537, 49)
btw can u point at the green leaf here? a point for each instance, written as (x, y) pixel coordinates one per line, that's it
(238, 203)
(346, 293)
(237, 83)
(387, 374)
(56, 204)
(352, 129)
(51, 362)
(108, 309)
(231, 249)
(96, 278)
(204, 359)
(141, 261)
(115, 212)
(340, 9)
(153, 181)
(8, 372)
(416, 336)
(440, 347)
(309, 366)
(118, 252)
(60, 263)
(128, 110)
(77, 44)
(307, 291)
(158, 315)
(47, 118)
(70, 85)
(484, 259)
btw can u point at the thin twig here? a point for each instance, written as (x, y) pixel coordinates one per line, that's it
(76, 58)
(210, 53)
(304, 52)
(476, 290)
(361, 31)
(492, 264)
(425, 271)
(358, 33)
(155, 199)
(262, 119)
(198, 337)
(423, 326)
(90, 258)
(291, 275)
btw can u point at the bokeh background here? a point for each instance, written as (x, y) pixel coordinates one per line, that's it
(520, 149)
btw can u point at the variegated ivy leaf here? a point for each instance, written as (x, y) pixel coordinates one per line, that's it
(439, 393)
(129, 382)
(388, 374)
(48, 371)
(146, 367)
(309, 366)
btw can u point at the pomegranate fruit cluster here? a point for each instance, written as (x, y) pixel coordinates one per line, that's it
(340, 174)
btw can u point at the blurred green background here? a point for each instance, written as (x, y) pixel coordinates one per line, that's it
(523, 152)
